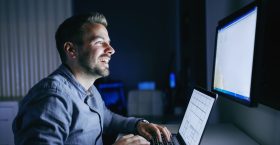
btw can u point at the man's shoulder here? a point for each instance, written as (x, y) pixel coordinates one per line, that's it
(52, 83)
(55, 85)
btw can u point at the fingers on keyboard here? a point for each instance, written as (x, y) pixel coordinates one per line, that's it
(155, 141)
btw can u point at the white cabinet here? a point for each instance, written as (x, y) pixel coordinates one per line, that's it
(145, 103)
(8, 110)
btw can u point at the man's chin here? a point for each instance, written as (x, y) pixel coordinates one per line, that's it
(104, 73)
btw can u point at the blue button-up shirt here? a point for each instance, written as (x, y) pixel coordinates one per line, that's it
(58, 110)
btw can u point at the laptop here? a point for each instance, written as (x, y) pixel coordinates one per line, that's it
(195, 118)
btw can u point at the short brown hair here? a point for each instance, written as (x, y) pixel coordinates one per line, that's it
(71, 30)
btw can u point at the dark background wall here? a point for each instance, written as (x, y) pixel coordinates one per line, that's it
(193, 44)
(143, 35)
(152, 38)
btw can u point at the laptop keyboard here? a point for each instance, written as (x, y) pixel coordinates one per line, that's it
(155, 141)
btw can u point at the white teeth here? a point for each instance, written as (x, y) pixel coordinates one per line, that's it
(105, 59)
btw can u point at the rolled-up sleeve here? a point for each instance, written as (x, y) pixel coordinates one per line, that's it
(114, 123)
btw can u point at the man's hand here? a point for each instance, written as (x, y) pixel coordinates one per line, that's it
(148, 130)
(132, 140)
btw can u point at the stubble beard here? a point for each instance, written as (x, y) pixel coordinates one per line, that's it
(94, 70)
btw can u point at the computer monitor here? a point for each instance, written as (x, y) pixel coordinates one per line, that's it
(234, 55)
(113, 96)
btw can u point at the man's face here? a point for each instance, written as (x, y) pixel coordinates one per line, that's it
(95, 54)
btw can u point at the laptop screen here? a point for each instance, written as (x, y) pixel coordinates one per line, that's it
(196, 116)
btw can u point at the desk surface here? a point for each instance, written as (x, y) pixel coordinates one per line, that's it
(220, 134)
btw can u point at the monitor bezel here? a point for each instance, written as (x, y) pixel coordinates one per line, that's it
(221, 24)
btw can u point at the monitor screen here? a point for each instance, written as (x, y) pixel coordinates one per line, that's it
(196, 116)
(234, 54)
(113, 96)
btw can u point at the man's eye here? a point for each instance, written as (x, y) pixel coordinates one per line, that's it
(99, 42)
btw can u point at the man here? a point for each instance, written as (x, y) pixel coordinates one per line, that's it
(65, 107)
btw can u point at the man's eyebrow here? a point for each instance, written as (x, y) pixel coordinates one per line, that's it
(98, 37)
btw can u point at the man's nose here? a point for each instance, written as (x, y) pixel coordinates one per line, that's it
(110, 50)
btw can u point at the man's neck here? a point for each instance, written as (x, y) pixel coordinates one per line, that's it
(83, 78)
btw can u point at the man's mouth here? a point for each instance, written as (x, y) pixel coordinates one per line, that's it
(105, 59)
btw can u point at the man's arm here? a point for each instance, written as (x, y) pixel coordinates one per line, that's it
(115, 123)
(120, 124)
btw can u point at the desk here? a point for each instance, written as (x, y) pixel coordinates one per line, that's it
(220, 134)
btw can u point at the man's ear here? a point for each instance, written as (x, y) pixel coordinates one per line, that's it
(70, 50)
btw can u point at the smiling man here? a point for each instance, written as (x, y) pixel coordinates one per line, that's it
(65, 107)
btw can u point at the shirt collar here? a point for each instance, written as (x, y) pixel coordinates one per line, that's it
(66, 71)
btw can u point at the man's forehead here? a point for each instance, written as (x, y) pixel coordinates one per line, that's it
(96, 37)
(96, 31)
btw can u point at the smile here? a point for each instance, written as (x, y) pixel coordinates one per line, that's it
(105, 59)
